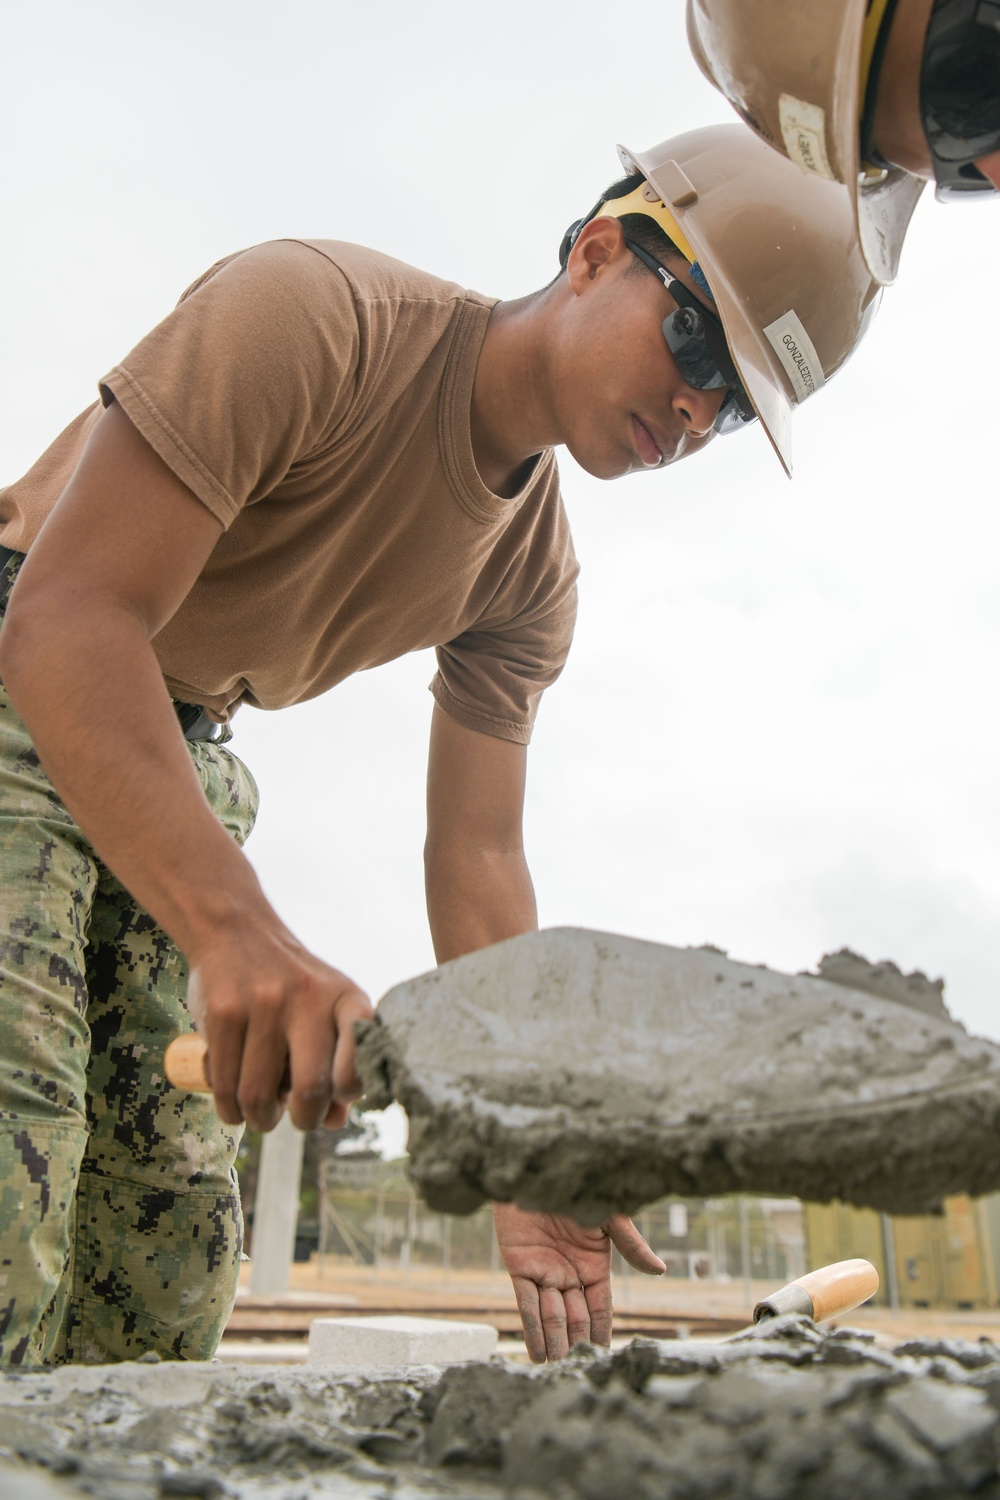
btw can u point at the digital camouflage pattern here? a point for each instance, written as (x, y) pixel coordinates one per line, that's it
(120, 1224)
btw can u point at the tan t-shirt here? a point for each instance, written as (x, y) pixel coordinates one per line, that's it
(316, 398)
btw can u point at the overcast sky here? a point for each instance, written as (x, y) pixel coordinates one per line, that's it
(778, 728)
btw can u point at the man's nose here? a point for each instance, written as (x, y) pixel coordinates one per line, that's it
(698, 409)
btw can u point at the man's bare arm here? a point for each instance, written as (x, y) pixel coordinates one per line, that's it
(113, 562)
(479, 892)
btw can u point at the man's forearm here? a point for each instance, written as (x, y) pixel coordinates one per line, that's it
(477, 897)
(89, 688)
(478, 887)
(119, 762)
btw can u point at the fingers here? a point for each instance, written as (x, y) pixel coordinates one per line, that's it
(262, 1069)
(601, 1316)
(336, 1116)
(224, 1033)
(311, 1048)
(631, 1246)
(352, 1006)
(276, 1035)
(554, 1320)
(526, 1295)
(553, 1310)
(576, 1311)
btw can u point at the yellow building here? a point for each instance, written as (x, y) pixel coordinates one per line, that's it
(950, 1259)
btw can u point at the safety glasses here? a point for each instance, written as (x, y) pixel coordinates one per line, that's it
(696, 339)
(960, 94)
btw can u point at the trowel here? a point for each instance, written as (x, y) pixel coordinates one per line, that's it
(827, 1293)
(585, 1073)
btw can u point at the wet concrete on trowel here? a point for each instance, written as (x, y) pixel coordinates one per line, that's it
(885, 980)
(784, 1411)
(584, 1073)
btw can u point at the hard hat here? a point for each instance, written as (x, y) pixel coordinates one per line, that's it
(780, 256)
(793, 69)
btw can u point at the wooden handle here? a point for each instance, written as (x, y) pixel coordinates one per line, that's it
(184, 1063)
(840, 1287)
(824, 1293)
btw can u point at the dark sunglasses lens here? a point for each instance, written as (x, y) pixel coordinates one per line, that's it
(734, 416)
(687, 340)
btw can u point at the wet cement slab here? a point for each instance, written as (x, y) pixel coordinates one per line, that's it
(583, 1073)
(783, 1412)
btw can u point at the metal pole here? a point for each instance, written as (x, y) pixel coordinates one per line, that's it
(446, 1249)
(986, 1251)
(276, 1209)
(494, 1253)
(406, 1249)
(710, 1241)
(379, 1213)
(323, 1189)
(889, 1252)
(745, 1268)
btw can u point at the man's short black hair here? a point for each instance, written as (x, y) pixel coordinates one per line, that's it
(639, 227)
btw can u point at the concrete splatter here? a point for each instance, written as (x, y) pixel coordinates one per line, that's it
(886, 980)
(783, 1412)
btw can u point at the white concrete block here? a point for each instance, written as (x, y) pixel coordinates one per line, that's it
(383, 1342)
(17, 1483)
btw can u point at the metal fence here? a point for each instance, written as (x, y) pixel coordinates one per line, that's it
(368, 1211)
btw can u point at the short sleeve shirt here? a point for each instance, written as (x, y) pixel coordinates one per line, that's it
(315, 396)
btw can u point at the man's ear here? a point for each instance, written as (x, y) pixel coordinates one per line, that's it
(600, 244)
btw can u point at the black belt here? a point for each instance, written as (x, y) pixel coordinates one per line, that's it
(194, 721)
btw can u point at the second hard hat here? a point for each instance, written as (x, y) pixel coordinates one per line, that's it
(797, 74)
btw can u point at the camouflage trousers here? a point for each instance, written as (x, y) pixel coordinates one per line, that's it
(120, 1223)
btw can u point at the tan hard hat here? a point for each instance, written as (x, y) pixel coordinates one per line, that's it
(780, 254)
(792, 70)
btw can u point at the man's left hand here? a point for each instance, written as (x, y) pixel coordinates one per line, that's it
(562, 1275)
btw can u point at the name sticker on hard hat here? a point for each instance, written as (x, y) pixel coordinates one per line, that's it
(803, 129)
(794, 348)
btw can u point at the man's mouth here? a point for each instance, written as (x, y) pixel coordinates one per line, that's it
(649, 451)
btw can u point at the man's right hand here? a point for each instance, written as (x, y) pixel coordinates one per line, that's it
(279, 1025)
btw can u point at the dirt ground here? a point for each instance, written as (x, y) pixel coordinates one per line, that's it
(669, 1306)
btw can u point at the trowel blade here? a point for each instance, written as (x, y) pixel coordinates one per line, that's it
(583, 1073)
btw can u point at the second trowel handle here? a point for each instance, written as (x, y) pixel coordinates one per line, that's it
(184, 1063)
(824, 1293)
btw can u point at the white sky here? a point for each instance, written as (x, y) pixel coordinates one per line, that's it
(778, 728)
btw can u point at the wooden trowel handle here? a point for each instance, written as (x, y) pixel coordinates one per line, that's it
(824, 1293)
(184, 1063)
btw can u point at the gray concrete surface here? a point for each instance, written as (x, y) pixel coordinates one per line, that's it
(584, 1073)
(783, 1412)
